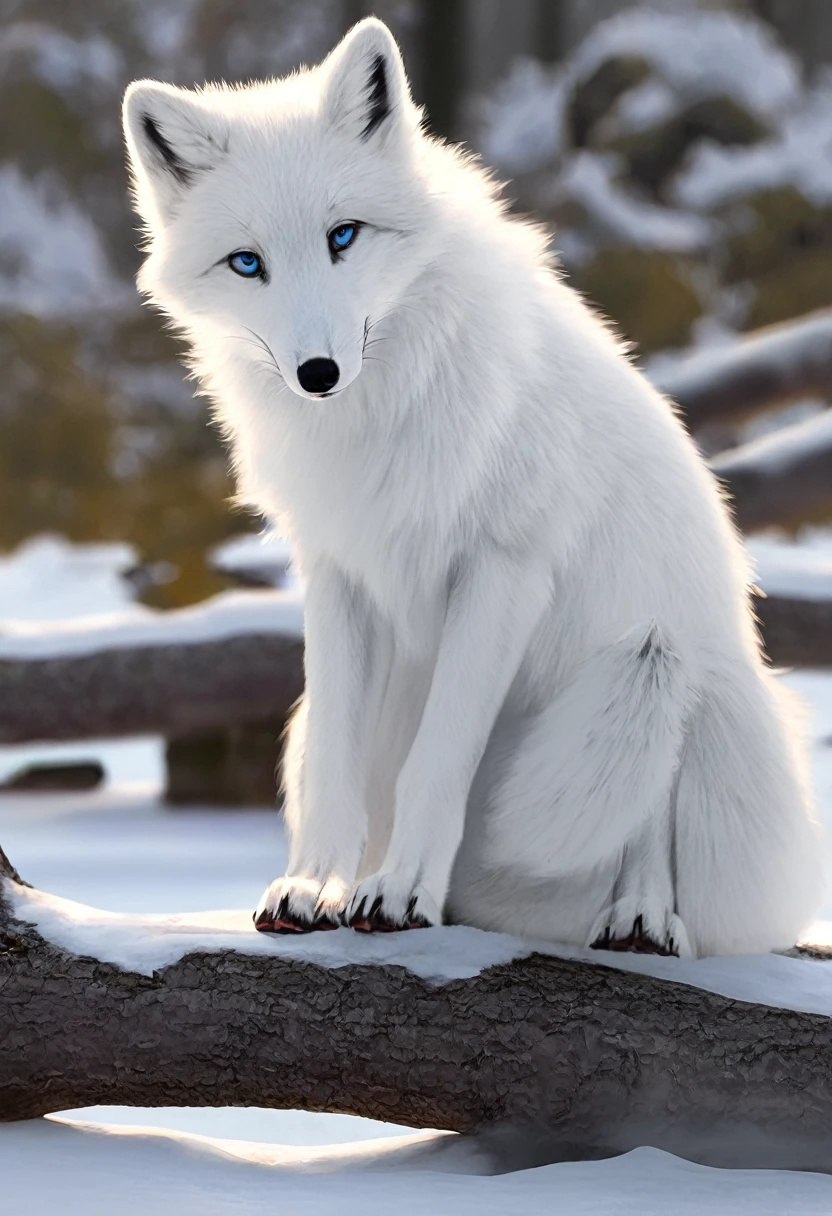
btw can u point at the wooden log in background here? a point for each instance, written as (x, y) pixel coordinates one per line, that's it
(797, 632)
(176, 690)
(784, 478)
(770, 367)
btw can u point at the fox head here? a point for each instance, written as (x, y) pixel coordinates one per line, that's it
(288, 217)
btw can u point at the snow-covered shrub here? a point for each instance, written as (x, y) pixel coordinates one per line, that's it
(680, 156)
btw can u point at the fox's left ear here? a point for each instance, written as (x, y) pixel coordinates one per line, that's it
(366, 91)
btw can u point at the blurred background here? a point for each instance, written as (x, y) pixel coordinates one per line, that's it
(681, 152)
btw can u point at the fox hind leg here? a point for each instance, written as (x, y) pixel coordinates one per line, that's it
(641, 916)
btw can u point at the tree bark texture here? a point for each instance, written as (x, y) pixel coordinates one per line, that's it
(770, 367)
(184, 691)
(558, 1059)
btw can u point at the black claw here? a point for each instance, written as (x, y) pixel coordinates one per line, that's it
(323, 920)
(638, 927)
(376, 908)
(263, 923)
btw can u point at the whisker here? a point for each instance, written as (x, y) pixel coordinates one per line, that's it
(260, 343)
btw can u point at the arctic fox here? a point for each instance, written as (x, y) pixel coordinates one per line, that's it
(535, 700)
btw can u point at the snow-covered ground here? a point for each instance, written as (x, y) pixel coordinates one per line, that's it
(91, 1171)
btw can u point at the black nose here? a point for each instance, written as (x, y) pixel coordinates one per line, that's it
(318, 375)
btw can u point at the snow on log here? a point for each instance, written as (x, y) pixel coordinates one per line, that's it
(254, 560)
(799, 570)
(770, 367)
(782, 478)
(547, 1057)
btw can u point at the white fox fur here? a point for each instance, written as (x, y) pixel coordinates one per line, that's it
(534, 695)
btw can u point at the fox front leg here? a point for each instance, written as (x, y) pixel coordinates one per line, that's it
(494, 605)
(324, 780)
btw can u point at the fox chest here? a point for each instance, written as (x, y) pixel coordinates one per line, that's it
(389, 528)
(402, 570)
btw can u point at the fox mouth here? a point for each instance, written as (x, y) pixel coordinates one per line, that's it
(334, 392)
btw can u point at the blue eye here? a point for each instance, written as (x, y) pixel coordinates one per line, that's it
(342, 237)
(246, 263)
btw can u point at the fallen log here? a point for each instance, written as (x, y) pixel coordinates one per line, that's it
(784, 478)
(177, 689)
(798, 632)
(768, 368)
(552, 1058)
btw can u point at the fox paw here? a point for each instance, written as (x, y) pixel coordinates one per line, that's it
(300, 905)
(642, 926)
(386, 903)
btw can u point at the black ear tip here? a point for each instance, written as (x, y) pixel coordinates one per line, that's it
(171, 160)
(378, 95)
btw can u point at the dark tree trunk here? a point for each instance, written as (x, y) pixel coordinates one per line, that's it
(560, 1059)
(443, 64)
(351, 12)
(549, 31)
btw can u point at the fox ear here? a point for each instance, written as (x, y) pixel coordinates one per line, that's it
(366, 90)
(172, 136)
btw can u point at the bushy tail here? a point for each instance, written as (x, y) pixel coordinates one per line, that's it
(748, 876)
(597, 763)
